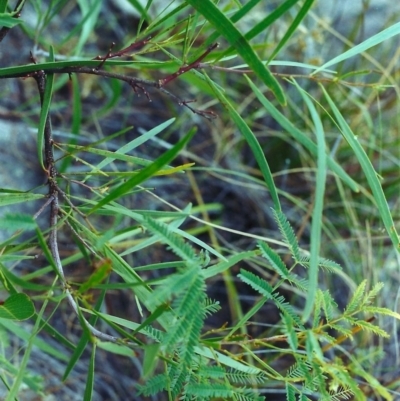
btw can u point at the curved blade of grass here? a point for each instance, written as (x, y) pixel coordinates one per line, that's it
(292, 28)
(44, 111)
(253, 143)
(300, 137)
(257, 29)
(226, 28)
(146, 173)
(90, 12)
(363, 46)
(369, 171)
(134, 144)
(11, 199)
(226, 264)
(316, 223)
(8, 21)
(270, 19)
(90, 376)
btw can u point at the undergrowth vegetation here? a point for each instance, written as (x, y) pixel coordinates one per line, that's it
(239, 246)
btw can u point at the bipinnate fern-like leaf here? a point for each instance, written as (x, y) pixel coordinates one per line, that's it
(287, 233)
(323, 263)
(279, 266)
(356, 300)
(329, 305)
(174, 241)
(211, 307)
(236, 376)
(381, 311)
(189, 313)
(274, 259)
(367, 326)
(341, 394)
(317, 308)
(265, 289)
(290, 392)
(370, 296)
(153, 385)
(289, 331)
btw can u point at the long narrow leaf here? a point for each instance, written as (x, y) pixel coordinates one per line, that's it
(292, 28)
(253, 143)
(363, 46)
(369, 172)
(146, 173)
(226, 28)
(301, 138)
(316, 225)
(90, 376)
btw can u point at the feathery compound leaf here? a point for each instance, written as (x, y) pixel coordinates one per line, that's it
(174, 241)
(328, 265)
(236, 376)
(381, 311)
(280, 267)
(212, 372)
(317, 308)
(257, 283)
(199, 390)
(154, 385)
(328, 305)
(356, 300)
(287, 233)
(369, 327)
(372, 294)
(341, 394)
(266, 290)
(244, 394)
(290, 392)
(289, 331)
(274, 260)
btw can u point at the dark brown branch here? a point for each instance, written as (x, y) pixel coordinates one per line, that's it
(40, 78)
(137, 84)
(191, 66)
(122, 52)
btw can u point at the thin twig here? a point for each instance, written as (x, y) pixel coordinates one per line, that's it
(40, 78)
(137, 84)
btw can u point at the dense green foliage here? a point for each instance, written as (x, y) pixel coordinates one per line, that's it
(194, 334)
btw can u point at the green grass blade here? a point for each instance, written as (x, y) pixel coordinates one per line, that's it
(235, 18)
(84, 340)
(226, 28)
(316, 224)
(90, 15)
(257, 29)
(13, 198)
(292, 28)
(90, 376)
(363, 46)
(270, 19)
(253, 143)
(369, 171)
(146, 173)
(134, 144)
(3, 6)
(225, 265)
(301, 138)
